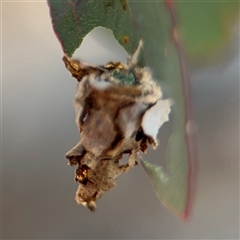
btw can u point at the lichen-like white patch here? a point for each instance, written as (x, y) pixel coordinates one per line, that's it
(99, 83)
(154, 118)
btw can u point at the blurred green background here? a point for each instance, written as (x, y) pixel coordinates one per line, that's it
(207, 28)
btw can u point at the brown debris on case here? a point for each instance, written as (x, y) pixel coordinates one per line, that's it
(108, 116)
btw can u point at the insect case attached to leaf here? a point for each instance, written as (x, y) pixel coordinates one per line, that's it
(119, 109)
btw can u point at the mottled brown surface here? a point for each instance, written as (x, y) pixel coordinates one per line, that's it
(108, 115)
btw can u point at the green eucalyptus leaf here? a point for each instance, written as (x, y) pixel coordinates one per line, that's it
(161, 54)
(152, 22)
(72, 20)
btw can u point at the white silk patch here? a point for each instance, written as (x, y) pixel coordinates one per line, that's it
(154, 117)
